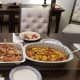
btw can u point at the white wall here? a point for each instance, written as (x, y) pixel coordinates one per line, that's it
(25, 1)
(67, 5)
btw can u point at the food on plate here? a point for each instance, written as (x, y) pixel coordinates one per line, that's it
(46, 54)
(9, 52)
(32, 36)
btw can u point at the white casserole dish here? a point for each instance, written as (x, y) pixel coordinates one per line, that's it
(62, 48)
(20, 48)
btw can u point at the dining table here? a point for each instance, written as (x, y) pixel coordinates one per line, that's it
(66, 71)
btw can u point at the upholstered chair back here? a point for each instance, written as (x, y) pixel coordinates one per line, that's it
(35, 19)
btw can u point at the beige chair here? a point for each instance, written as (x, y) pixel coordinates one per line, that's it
(74, 27)
(35, 18)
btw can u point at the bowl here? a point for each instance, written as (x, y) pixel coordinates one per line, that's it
(7, 53)
(30, 36)
(61, 48)
(24, 73)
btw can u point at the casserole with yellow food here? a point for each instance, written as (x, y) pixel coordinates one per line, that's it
(46, 54)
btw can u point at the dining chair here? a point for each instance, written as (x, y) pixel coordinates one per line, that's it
(35, 18)
(74, 26)
(10, 18)
(14, 20)
(1, 20)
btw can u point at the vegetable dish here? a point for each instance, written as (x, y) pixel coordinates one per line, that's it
(46, 54)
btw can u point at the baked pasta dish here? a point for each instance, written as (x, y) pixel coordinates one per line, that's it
(45, 54)
(8, 52)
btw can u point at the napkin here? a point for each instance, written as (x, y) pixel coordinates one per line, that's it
(2, 78)
(77, 45)
(17, 39)
(77, 51)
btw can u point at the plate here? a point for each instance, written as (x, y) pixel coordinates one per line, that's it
(29, 36)
(25, 73)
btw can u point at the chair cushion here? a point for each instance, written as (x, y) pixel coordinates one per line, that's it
(76, 16)
(35, 19)
(72, 28)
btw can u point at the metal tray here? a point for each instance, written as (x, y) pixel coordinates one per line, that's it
(62, 48)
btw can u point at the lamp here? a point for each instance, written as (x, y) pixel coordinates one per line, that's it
(44, 4)
(53, 2)
(44, 1)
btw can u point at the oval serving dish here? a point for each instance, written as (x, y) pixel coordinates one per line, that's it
(61, 48)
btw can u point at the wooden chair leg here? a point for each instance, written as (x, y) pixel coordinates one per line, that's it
(11, 24)
(1, 23)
